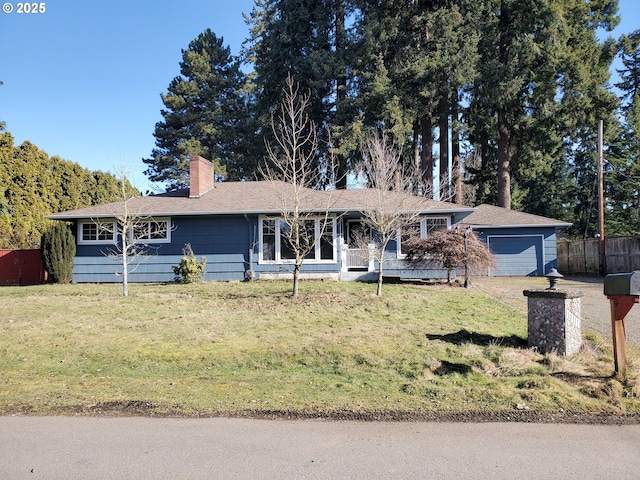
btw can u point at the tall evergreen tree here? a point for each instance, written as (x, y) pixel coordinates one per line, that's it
(585, 99)
(306, 40)
(205, 114)
(541, 86)
(512, 53)
(629, 84)
(28, 193)
(33, 185)
(622, 178)
(413, 60)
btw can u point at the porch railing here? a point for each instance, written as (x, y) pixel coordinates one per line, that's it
(358, 258)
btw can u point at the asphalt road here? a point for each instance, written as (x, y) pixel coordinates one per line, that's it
(90, 448)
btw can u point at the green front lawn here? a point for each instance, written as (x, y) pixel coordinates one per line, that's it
(250, 349)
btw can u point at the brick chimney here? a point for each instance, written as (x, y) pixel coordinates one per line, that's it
(200, 176)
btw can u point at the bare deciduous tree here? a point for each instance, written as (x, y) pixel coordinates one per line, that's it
(131, 231)
(292, 168)
(394, 208)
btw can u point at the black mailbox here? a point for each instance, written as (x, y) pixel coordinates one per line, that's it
(622, 284)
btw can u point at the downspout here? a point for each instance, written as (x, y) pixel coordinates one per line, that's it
(250, 274)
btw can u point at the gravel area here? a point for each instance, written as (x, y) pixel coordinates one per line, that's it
(596, 310)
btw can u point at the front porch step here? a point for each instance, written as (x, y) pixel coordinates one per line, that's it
(361, 276)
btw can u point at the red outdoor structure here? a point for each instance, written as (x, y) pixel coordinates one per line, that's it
(21, 267)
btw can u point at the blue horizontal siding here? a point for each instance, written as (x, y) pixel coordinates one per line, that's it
(230, 245)
(304, 268)
(206, 235)
(224, 241)
(415, 273)
(395, 267)
(154, 269)
(222, 235)
(160, 269)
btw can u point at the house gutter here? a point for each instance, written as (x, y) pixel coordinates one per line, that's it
(250, 274)
(524, 225)
(182, 213)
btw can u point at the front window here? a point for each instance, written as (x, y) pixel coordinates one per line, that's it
(143, 231)
(436, 223)
(279, 242)
(96, 232)
(421, 229)
(151, 231)
(407, 233)
(268, 240)
(287, 245)
(327, 243)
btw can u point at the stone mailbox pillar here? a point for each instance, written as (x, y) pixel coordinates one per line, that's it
(554, 320)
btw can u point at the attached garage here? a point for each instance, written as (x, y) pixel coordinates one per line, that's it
(517, 255)
(523, 244)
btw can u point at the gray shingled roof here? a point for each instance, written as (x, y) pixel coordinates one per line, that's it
(492, 216)
(253, 197)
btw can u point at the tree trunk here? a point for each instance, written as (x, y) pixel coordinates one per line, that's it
(379, 288)
(427, 155)
(485, 153)
(416, 154)
(443, 127)
(504, 176)
(457, 177)
(125, 270)
(296, 280)
(456, 166)
(341, 87)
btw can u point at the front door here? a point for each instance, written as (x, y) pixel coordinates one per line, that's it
(358, 240)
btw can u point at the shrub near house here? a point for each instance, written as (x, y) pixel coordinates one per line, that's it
(58, 253)
(189, 270)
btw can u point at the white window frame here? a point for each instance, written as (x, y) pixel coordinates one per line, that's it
(147, 241)
(112, 228)
(423, 232)
(317, 247)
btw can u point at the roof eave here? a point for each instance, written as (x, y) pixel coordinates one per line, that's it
(523, 225)
(64, 217)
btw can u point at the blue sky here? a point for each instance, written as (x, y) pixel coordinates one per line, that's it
(83, 79)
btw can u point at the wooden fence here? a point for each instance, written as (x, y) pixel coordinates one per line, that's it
(21, 267)
(583, 256)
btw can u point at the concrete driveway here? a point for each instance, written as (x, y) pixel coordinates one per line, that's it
(220, 448)
(596, 312)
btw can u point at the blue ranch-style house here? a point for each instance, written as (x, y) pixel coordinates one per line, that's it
(237, 226)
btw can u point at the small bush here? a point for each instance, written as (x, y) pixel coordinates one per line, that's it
(58, 247)
(189, 270)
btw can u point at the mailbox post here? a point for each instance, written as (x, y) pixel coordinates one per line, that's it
(623, 292)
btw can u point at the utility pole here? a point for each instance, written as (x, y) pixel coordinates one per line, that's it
(602, 265)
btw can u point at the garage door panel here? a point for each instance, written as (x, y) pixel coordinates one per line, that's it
(517, 255)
